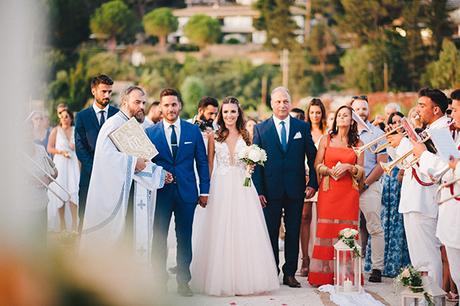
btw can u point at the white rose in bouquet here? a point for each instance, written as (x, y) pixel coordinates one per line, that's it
(348, 234)
(254, 155)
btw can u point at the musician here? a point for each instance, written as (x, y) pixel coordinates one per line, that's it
(417, 202)
(448, 227)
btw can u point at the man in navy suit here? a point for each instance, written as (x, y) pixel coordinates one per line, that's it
(88, 122)
(179, 144)
(281, 183)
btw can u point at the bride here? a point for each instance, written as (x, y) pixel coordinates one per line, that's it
(232, 254)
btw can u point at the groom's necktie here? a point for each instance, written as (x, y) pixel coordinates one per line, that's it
(283, 136)
(173, 141)
(102, 119)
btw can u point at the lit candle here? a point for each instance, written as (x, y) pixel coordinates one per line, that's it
(347, 285)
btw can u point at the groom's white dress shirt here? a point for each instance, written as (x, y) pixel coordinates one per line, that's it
(168, 131)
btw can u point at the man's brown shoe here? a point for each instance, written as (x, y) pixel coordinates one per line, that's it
(291, 282)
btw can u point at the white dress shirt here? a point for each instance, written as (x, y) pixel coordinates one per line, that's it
(98, 110)
(278, 127)
(168, 131)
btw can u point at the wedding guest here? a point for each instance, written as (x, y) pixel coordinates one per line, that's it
(297, 113)
(152, 114)
(371, 192)
(316, 118)
(40, 130)
(281, 183)
(391, 108)
(88, 122)
(250, 124)
(341, 174)
(330, 120)
(62, 145)
(396, 252)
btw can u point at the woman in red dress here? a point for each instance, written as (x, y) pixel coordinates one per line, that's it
(340, 172)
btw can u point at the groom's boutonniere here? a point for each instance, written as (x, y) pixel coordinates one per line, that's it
(251, 156)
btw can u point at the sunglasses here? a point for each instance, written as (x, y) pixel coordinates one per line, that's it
(359, 98)
(449, 111)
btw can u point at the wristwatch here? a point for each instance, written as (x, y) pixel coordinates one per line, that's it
(365, 187)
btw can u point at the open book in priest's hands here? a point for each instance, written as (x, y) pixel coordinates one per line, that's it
(130, 138)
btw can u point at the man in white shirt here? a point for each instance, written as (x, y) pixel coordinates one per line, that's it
(88, 122)
(417, 202)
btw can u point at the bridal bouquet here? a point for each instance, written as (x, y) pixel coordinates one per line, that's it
(252, 155)
(411, 278)
(348, 236)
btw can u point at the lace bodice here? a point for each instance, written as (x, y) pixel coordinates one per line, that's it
(224, 160)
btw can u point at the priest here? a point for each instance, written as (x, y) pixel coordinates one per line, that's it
(105, 221)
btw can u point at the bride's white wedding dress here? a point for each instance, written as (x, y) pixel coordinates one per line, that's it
(232, 254)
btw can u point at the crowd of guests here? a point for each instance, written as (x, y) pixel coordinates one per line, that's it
(353, 191)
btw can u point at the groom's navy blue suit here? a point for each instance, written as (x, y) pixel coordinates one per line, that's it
(282, 181)
(180, 197)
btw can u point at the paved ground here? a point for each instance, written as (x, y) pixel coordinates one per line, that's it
(285, 296)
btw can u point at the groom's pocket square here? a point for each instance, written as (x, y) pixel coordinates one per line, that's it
(187, 142)
(297, 135)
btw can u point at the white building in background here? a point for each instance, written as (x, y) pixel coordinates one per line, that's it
(235, 17)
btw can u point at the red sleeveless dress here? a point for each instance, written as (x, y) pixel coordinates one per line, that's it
(338, 208)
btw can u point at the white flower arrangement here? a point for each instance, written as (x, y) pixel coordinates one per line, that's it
(410, 277)
(349, 236)
(252, 155)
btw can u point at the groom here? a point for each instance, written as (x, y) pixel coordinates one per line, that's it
(179, 144)
(281, 183)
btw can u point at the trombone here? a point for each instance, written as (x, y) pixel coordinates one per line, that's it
(43, 182)
(444, 185)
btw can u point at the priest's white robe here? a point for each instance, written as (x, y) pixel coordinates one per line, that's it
(107, 202)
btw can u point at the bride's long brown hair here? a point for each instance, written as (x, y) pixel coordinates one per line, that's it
(222, 132)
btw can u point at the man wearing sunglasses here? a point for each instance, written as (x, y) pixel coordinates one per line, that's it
(371, 194)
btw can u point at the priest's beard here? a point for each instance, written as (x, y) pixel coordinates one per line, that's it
(139, 116)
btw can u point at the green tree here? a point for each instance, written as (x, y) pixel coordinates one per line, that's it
(112, 20)
(276, 20)
(110, 64)
(152, 81)
(160, 23)
(366, 21)
(192, 90)
(69, 22)
(202, 30)
(322, 45)
(445, 73)
(358, 67)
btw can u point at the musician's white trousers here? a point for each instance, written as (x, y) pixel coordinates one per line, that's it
(424, 246)
(453, 256)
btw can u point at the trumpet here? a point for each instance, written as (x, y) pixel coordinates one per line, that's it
(368, 146)
(389, 166)
(44, 183)
(445, 185)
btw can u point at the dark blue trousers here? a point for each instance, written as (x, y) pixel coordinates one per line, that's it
(292, 219)
(169, 202)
